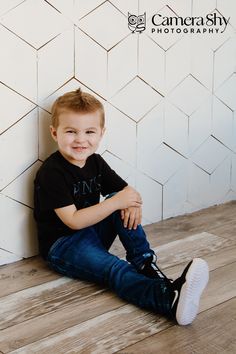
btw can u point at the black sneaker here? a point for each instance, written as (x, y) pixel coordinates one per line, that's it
(151, 270)
(188, 289)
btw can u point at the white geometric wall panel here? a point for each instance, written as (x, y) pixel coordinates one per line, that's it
(210, 155)
(163, 40)
(152, 67)
(126, 6)
(175, 193)
(200, 125)
(170, 102)
(116, 145)
(35, 13)
(151, 192)
(18, 69)
(90, 63)
(15, 111)
(136, 99)
(188, 95)
(155, 134)
(122, 64)
(233, 177)
(56, 63)
(96, 25)
(18, 148)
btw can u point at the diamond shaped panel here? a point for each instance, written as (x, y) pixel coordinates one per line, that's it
(180, 7)
(11, 113)
(202, 8)
(83, 7)
(153, 6)
(121, 132)
(202, 62)
(198, 186)
(225, 54)
(20, 189)
(210, 154)
(56, 63)
(8, 257)
(130, 99)
(35, 12)
(90, 63)
(164, 40)
(18, 237)
(178, 56)
(6, 5)
(175, 193)
(151, 126)
(99, 24)
(223, 123)
(227, 92)
(152, 67)
(176, 129)
(67, 8)
(120, 166)
(189, 95)
(122, 64)
(18, 148)
(23, 77)
(130, 6)
(200, 125)
(163, 164)
(220, 181)
(152, 207)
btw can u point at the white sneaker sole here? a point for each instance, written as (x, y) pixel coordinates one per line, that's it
(196, 280)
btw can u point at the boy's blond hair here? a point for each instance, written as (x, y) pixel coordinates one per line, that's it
(76, 101)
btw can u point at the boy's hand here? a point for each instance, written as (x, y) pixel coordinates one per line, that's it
(132, 217)
(127, 198)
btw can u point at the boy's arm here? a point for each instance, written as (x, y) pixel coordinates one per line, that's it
(79, 219)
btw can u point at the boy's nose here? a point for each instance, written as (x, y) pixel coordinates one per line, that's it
(80, 137)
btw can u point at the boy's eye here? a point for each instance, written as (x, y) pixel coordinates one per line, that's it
(90, 132)
(70, 131)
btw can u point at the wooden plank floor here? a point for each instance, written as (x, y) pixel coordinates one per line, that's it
(43, 312)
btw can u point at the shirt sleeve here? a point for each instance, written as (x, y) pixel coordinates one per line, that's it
(111, 181)
(51, 189)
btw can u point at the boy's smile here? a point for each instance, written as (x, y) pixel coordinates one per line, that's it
(78, 135)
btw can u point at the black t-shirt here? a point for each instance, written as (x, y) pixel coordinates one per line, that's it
(59, 183)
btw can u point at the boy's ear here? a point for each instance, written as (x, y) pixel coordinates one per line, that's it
(53, 132)
(103, 130)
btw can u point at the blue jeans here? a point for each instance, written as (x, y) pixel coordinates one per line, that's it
(84, 255)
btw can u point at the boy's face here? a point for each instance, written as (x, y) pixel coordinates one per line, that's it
(78, 135)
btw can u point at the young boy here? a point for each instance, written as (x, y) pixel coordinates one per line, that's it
(75, 230)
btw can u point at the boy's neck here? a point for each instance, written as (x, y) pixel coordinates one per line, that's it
(78, 164)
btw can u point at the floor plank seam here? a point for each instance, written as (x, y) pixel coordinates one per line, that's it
(64, 329)
(217, 305)
(151, 335)
(51, 312)
(222, 266)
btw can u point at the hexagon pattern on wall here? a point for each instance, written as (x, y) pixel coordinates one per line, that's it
(169, 100)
